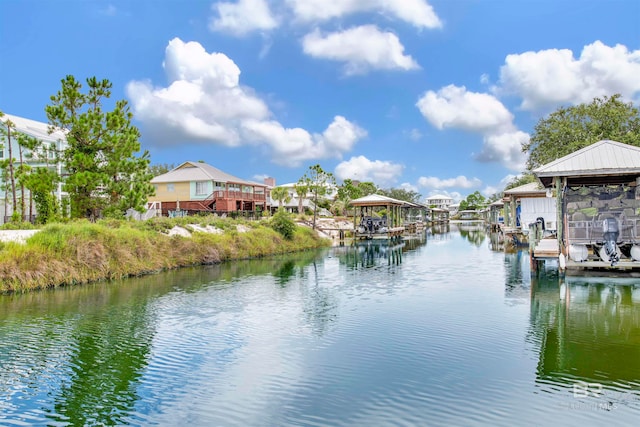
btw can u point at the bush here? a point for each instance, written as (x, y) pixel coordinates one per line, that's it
(283, 224)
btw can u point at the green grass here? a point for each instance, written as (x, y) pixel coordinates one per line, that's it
(81, 252)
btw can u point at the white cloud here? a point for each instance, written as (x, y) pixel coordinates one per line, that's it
(457, 182)
(205, 102)
(110, 10)
(505, 148)
(381, 173)
(552, 77)
(416, 12)
(414, 134)
(408, 187)
(455, 107)
(489, 191)
(293, 146)
(242, 17)
(361, 49)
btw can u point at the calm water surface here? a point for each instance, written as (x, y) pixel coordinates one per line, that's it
(445, 331)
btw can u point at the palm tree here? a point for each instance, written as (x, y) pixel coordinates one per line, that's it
(281, 194)
(301, 191)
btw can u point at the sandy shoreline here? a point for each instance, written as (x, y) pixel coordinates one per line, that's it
(326, 227)
(19, 236)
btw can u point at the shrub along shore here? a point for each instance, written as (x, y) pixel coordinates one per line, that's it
(81, 252)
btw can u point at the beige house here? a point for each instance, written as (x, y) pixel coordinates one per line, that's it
(200, 187)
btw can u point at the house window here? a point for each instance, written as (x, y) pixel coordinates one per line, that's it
(234, 187)
(171, 188)
(201, 188)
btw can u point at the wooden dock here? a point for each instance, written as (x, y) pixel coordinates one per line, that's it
(547, 248)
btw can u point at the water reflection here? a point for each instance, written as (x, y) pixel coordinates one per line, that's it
(496, 241)
(71, 348)
(372, 253)
(517, 276)
(473, 231)
(439, 231)
(447, 334)
(588, 330)
(79, 355)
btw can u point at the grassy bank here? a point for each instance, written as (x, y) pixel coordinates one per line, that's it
(81, 252)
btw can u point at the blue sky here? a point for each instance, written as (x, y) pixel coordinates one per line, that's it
(434, 96)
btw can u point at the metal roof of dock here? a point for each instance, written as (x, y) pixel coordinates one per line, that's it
(529, 189)
(603, 158)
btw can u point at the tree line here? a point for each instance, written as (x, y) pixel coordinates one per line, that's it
(104, 172)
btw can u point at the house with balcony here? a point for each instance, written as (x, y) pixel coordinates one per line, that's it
(197, 187)
(439, 201)
(43, 156)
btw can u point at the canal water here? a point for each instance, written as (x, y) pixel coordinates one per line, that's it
(447, 330)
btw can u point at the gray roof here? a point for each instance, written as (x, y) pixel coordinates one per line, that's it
(601, 158)
(33, 128)
(529, 188)
(197, 171)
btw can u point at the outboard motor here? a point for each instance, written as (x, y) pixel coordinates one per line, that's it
(540, 221)
(611, 232)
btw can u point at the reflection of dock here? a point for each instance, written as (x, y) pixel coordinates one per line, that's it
(387, 233)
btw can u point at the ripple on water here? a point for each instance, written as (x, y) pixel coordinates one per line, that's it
(429, 341)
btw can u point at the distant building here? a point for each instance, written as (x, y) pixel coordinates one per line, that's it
(294, 201)
(439, 201)
(45, 157)
(196, 186)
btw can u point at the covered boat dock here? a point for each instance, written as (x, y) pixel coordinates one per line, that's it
(384, 217)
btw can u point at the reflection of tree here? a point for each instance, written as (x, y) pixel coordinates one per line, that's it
(475, 236)
(320, 305)
(109, 358)
(76, 355)
(588, 332)
(285, 272)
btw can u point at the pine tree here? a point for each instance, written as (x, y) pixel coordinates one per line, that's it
(105, 177)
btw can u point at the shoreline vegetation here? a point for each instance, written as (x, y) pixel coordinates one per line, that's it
(79, 252)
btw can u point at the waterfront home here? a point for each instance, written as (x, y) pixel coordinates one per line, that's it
(199, 187)
(293, 204)
(597, 193)
(44, 156)
(439, 201)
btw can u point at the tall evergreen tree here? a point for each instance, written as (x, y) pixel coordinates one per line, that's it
(105, 177)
